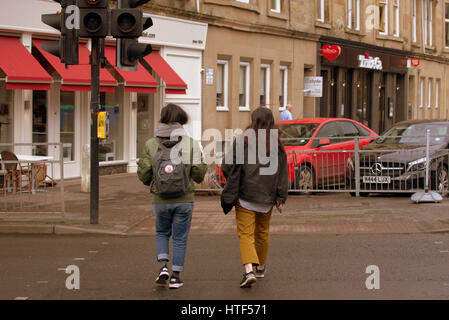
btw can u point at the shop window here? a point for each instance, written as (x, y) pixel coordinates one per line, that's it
(6, 116)
(353, 14)
(265, 85)
(322, 11)
(383, 17)
(244, 86)
(275, 6)
(67, 124)
(283, 87)
(396, 17)
(109, 149)
(446, 23)
(145, 120)
(222, 85)
(40, 125)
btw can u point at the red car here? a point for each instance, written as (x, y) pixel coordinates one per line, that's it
(308, 170)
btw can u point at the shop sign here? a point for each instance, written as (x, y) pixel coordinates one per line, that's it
(368, 62)
(331, 52)
(413, 63)
(313, 87)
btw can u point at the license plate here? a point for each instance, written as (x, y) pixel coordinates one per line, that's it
(376, 179)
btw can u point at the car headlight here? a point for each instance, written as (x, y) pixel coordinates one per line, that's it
(417, 165)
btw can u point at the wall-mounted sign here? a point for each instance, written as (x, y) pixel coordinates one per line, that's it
(313, 87)
(331, 52)
(103, 124)
(413, 63)
(210, 76)
(368, 62)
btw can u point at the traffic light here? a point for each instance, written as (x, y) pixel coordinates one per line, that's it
(127, 24)
(94, 18)
(67, 47)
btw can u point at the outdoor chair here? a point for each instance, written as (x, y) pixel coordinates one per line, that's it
(14, 172)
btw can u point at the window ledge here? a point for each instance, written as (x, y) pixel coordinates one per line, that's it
(222, 109)
(112, 163)
(244, 109)
(324, 25)
(355, 32)
(431, 48)
(235, 4)
(277, 15)
(446, 50)
(390, 38)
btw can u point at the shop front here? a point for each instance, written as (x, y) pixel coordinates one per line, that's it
(364, 84)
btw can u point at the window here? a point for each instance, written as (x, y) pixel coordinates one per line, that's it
(283, 87)
(383, 17)
(6, 115)
(67, 124)
(446, 23)
(396, 25)
(421, 93)
(275, 5)
(244, 86)
(428, 21)
(329, 130)
(437, 93)
(110, 149)
(349, 129)
(265, 85)
(145, 121)
(429, 93)
(40, 128)
(320, 10)
(222, 85)
(353, 7)
(414, 22)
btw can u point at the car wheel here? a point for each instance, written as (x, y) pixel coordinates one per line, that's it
(304, 180)
(442, 181)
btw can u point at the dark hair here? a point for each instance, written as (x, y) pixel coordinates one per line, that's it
(262, 118)
(173, 113)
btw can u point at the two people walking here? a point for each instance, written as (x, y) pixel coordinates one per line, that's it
(172, 161)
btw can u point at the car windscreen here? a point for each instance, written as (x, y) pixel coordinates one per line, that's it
(415, 134)
(297, 134)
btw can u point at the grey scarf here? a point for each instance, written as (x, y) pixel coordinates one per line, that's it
(165, 130)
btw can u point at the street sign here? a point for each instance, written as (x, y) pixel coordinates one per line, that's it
(313, 87)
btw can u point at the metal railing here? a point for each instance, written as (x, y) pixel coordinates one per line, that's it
(32, 184)
(347, 164)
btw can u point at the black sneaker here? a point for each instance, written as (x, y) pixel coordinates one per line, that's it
(163, 276)
(248, 279)
(260, 273)
(175, 282)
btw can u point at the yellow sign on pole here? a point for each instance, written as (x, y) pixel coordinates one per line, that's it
(102, 125)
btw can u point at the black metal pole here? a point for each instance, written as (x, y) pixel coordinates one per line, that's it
(94, 108)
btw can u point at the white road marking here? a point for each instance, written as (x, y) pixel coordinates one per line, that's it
(21, 298)
(105, 243)
(93, 251)
(444, 251)
(62, 269)
(438, 242)
(79, 259)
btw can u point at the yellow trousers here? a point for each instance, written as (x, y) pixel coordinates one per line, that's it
(253, 231)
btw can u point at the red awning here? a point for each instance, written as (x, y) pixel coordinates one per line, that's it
(76, 78)
(21, 69)
(174, 83)
(135, 81)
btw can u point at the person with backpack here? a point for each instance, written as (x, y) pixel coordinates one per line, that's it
(170, 163)
(254, 186)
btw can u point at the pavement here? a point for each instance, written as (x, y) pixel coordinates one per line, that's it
(126, 209)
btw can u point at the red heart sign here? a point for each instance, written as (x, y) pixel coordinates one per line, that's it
(331, 52)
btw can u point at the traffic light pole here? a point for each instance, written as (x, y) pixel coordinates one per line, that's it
(94, 108)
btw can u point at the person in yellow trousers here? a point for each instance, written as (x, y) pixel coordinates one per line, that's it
(257, 181)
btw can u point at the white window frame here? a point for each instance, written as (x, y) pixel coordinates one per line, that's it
(225, 64)
(320, 17)
(244, 1)
(424, 21)
(414, 22)
(430, 22)
(267, 69)
(421, 93)
(357, 12)
(349, 13)
(247, 86)
(437, 93)
(397, 17)
(277, 9)
(429, 93)
(385, 2)
(285, 93)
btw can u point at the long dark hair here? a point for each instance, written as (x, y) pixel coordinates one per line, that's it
(262, 118)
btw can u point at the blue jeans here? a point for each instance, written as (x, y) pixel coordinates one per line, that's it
(173, 219)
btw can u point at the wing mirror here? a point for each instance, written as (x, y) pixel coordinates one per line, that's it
(324, 142)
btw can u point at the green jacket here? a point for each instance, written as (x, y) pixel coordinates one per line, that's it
(192, 158)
